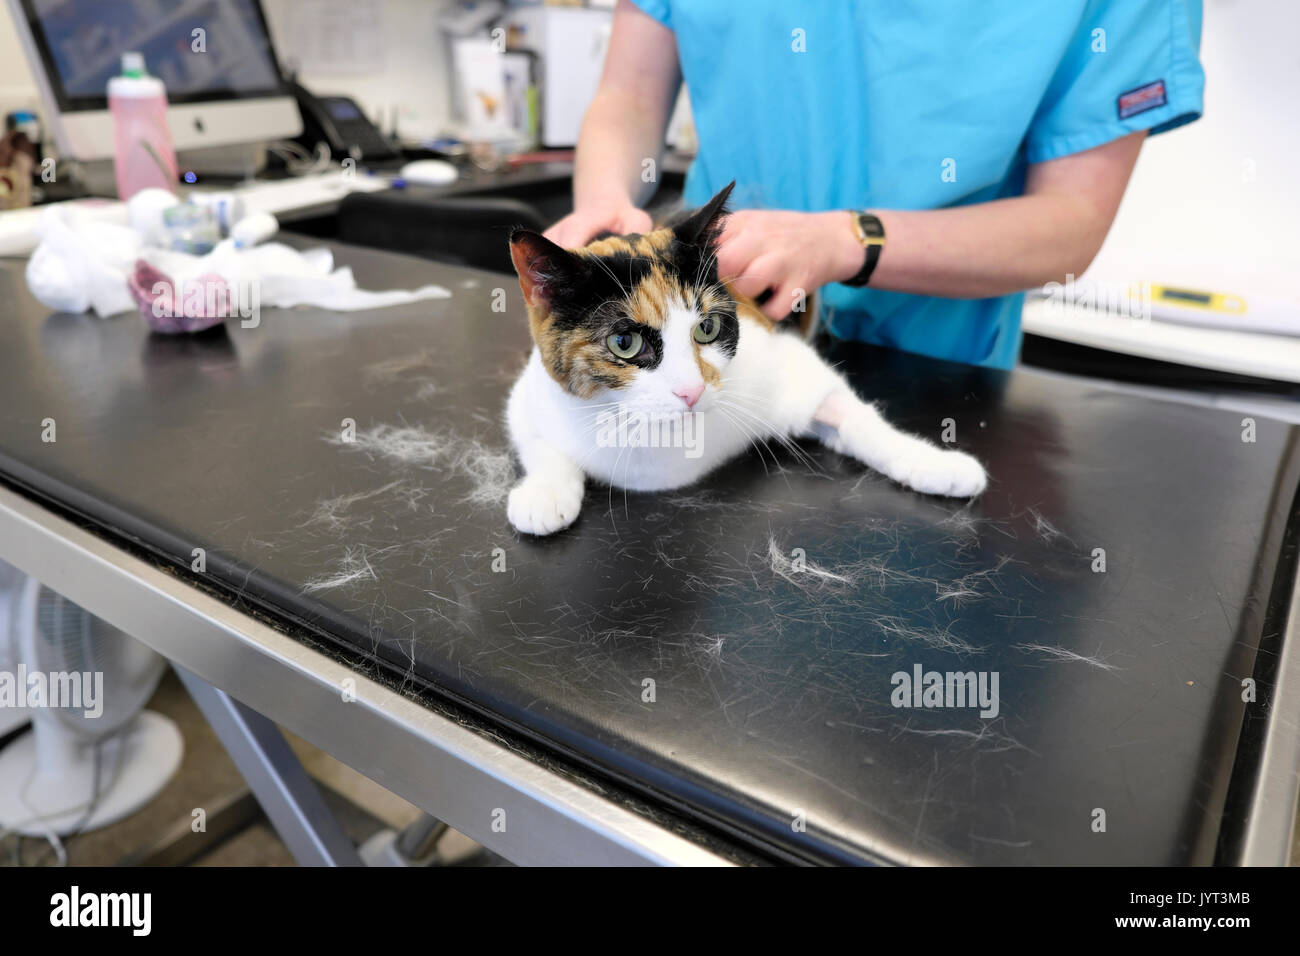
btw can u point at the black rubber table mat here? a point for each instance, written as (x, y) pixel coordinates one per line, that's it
(770, 607)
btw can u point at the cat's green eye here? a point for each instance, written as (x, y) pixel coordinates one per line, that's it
(625, 345)
(706, 330)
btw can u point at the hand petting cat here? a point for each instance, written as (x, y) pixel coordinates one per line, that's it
(761, 249)
(788, 253)
(580, 226)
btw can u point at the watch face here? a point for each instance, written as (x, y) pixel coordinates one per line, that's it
(870, 226)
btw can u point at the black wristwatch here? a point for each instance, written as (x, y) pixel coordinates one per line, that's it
(871, 233)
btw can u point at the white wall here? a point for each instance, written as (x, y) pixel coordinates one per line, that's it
(1217, 204)
(17, 88)
(413, 79)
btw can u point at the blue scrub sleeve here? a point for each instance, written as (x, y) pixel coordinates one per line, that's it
(657, 9)
(1131, 65)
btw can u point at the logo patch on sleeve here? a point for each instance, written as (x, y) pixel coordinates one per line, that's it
(1142, 99)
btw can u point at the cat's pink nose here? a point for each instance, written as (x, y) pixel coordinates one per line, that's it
(690, 394)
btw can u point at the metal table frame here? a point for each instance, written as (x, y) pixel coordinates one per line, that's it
(1273, 811)
(248, 677)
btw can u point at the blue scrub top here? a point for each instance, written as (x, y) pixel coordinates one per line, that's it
(920, 104)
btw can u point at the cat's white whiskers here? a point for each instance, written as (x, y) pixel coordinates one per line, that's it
(771, 432)
(706, 266)
(609, 503)
(755, 440)
(785, 439)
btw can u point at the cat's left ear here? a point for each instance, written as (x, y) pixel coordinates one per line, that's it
(544, 268)
(702, 227)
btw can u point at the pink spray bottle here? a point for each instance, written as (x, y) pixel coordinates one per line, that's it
(143, 155)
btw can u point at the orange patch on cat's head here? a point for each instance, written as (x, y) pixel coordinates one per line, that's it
(576, 298)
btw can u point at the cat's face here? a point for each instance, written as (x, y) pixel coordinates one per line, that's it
(641, 320)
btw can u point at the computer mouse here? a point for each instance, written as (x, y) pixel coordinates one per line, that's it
(429, 172)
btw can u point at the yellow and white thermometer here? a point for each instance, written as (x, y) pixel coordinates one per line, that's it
(1223, 310)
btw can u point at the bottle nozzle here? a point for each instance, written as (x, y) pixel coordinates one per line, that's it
(133, 64)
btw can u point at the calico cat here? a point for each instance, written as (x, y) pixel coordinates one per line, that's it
(648, 372)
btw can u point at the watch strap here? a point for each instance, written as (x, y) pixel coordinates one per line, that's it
(871, 234)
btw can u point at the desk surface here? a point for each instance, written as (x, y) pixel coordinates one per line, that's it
(771, 719)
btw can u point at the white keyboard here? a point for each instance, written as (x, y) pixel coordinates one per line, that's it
(284, 195)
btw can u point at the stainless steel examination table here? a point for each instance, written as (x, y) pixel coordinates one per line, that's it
(701, 676)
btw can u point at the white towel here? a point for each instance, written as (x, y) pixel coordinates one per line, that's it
(82, 264)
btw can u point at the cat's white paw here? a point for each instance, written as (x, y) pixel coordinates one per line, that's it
(934, 471)
(543, 505)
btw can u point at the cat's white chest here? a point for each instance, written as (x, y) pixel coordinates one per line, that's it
(622, 446)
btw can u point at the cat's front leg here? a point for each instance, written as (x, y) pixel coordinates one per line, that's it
(851, 427)
(549, 497)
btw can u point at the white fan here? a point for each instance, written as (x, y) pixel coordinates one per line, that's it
(13, 713)
(73, 772)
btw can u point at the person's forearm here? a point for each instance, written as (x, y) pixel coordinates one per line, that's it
(962, 252)
(988, 249)
(1008, 245)
(623, 127)
(618, 135)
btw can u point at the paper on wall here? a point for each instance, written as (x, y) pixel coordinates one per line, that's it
(337, 37)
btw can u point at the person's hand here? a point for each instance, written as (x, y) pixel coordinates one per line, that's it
(787, 252)
(577, 228)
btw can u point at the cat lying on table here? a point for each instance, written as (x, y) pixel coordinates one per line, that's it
(638, 330)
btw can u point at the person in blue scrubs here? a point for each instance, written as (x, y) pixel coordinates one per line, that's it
(989, 141)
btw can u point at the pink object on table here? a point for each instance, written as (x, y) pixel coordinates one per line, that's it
(169, 308)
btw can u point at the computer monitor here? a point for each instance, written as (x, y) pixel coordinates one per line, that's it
(224, 85)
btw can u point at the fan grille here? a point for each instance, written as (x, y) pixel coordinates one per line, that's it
(79, 647)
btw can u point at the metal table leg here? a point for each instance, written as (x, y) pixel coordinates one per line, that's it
(276, 777)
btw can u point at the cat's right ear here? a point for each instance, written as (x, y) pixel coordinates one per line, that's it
(544, 268)
(704, 226)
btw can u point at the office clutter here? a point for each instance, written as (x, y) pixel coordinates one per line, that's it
(17, 159)
(522, 77)
(140, 257)
(565, 47)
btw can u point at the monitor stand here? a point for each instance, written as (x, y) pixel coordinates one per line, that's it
(242, 161)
